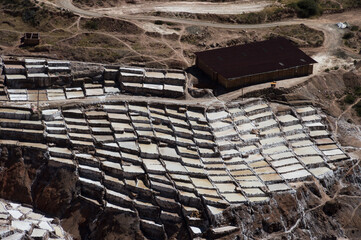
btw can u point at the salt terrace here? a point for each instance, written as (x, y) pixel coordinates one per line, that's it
(22, 79)
(17, 220)
(168, 163)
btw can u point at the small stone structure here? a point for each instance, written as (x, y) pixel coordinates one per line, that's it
(30, 39)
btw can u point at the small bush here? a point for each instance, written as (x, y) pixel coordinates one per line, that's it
(357, 108)
(92, 24)
(306, 8)
(252, 17)
(327, 70)
(158, 22)
(29, 16)
(348, 35)
(349, 99)
(354, 28)
(170, 23)
(358, 91)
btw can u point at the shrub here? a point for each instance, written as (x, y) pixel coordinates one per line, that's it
(348, 35)
(358, 91)
(306, 8)
(354, 28)
(349, 99)
(29, 16)
(158, 22)
(92, 24)
(357, 108)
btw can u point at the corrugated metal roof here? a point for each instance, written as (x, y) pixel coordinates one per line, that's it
(253, 58)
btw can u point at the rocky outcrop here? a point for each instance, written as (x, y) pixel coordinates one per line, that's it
(15, 183)
(54, 191)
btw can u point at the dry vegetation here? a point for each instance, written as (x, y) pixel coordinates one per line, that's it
(269, 14)
(302, 35)
(352, 38)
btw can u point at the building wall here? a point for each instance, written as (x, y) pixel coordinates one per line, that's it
(258, 78)
(31, 42)
(206, 69)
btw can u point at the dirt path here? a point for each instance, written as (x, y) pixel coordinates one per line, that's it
(187, 7)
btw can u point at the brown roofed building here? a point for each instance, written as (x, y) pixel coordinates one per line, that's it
(254, 63)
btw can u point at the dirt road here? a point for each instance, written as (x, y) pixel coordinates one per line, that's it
(188, 7)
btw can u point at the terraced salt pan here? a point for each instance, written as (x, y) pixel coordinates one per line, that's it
(267, 124)
(261, 116)
(271, 132)
(328, 147)
(315, 125)
(303, 110)
(287, 119)
(287, 161)
(214, 116)
(264, 170)
(234, 197)
(312, 160)
(255, 108)
(289, 168)
(278, 187)
(333, 152)
(323, 141)
(272, 141)
(277, 149)
(258, 164)
(247, 127)
(305, 151)
(311, 118)
(296, 175)
(298, 136)
(321, 172)
(297, 127)
(184, 160)
(301, 143)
